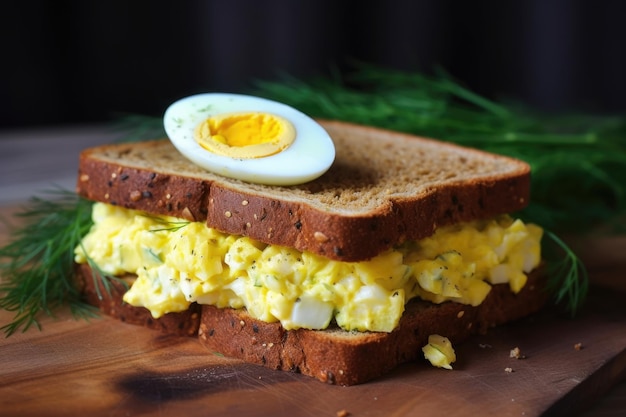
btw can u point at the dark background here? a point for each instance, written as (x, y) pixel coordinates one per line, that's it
(87, 61)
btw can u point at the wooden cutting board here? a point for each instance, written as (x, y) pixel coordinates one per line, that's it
(105, 367)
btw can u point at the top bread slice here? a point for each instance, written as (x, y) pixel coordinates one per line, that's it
(383, 188)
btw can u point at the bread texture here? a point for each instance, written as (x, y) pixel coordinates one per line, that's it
(333, 356)
(383, 188)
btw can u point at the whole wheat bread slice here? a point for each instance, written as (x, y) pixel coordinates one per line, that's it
(384, 188)
(334, 356)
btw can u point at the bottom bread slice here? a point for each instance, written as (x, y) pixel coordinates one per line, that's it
(333, 355)
(348, 358)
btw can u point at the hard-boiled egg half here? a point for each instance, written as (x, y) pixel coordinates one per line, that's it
(249, 138)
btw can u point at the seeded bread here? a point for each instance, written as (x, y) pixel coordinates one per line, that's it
(333, 356)
(384, 188)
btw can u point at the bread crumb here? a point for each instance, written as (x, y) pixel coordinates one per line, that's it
(508, 370)
(343, 413)
(516, 353)
(244, 203)
(228, 214)
(578, 346)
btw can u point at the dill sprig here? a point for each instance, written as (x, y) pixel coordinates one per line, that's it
(568, 277)
(168, 225)
(37, 264)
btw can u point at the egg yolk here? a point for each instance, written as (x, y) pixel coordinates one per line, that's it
(245, 135)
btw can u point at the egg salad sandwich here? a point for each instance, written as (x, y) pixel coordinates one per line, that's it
(320, 247)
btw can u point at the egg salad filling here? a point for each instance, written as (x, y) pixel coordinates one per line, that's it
(179, 262)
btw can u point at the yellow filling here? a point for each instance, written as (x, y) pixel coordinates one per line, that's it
(179, 262)
(439, 351)
(245, 135)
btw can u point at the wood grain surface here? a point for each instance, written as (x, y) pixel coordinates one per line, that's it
(105, 367)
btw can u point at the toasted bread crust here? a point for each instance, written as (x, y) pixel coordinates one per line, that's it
(384, 188)
(333, 355)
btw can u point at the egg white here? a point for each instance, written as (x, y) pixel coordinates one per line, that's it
(309, 156)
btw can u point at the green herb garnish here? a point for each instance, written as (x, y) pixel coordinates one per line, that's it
(168, 225)
(37, 265)
(567, 276)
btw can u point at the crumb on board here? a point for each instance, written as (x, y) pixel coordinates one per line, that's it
(343, 413)
(508, 370)
(578, 346)
(516, 353)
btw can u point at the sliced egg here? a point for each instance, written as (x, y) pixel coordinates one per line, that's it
(249, 138)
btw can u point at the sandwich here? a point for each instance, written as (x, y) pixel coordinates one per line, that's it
(384, 248)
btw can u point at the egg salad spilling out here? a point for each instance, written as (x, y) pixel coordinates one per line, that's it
(179, 262)
(439, 351)
(249, 138)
